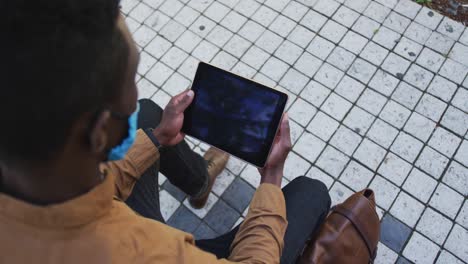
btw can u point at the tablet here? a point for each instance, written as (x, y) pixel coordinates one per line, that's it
(234, 114)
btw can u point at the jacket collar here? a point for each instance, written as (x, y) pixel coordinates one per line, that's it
(75, 212)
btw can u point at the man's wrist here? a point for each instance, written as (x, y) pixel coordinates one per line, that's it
(159, 136)
(272, 176)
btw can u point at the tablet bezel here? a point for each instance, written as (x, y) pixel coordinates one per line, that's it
(262, 86)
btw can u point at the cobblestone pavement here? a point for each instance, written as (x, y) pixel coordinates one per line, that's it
(379, 98)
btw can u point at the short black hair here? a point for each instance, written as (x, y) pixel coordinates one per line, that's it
(58, 60)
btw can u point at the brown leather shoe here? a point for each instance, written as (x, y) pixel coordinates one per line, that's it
(217, 161)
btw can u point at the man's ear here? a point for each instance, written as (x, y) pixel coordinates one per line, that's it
(98, 133)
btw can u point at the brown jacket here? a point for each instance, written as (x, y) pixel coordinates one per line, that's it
(98, 227)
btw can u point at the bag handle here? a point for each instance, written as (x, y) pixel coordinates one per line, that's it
(348, 214)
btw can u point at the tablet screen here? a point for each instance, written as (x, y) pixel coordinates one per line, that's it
(234, 114)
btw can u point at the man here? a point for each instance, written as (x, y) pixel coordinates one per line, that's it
(70, 153)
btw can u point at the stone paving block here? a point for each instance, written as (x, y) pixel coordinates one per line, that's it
(174, 191)
(264, 15)
(159, 74)
(377, 11)
(444, 141)
(158, 47)
(345, 140)
(296, 131)
(328, 75)
(309, 146)
(420, 185)
(453, 244)
(386, 37)
(221, 217)
(174, 57)
(396, 65)
(186, 16)
(418, 77)
(374, 53)
(456, 177)
(315, 93)
(393, 233)
(238, 195)
(301, 36)
(320, 47)
(460, 99)
(332, 161)
(382, 133)
(345, 16)
(362, 70)
(420, 249)
(446, 200)
(141, 12)
(200, 5)
(143, 35)
(308, 64)
(349, 88)
(127, 6)
(385, 255)
(313, 20)
(302, 112)
(251, 30)
(205, 51)
(464, 37)
(462, 153)
(358, 6)
(408, 49)
(204, 232)
(278, 5)
(456, 121)
(233, 21)
(282, 25)
(353, 42)
(333, 31)
(295, 166)
(397, 22)
(336, 106)
(219, 36)
(359, 120)
(462, 217)
(295, 10)
(451, 28)
(170, 204)
(428, 18)
(439, 43)
(442, 88)
(418, 32)
(146, 89)
(323, 126)
(407, 147)
(370, 154)
(171, 8)
(268, 41)
(394, 169)
(274, 68)
(224, 60)
(430, 60)
(176, 84)
(454, 71)
(247, 7)
(407, 8)
(161, 98)
(294, 81)
(420, 126)
(340, 58)
(184, 220)
(407, 95)
(188, 41)
(356, 176)
(426, 226)
(432, 162)
(395, 114)
(431, 107)
(446, 257)
(366, 26)
(339, 193)
(407, 209)
(385, 192)
(189, 67)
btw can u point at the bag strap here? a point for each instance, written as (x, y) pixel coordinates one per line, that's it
(348, 214)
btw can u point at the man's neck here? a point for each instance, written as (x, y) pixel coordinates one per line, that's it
(47, 185)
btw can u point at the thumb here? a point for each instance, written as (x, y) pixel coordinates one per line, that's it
(285, 131)
(183, 101)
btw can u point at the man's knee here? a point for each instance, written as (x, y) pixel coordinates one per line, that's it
(312, 188)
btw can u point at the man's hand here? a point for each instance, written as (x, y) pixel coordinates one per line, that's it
(273, 170)
(168, 132)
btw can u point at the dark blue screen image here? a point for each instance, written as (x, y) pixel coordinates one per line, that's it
(234, 114)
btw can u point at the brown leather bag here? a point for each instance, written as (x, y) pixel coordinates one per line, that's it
(349, 234)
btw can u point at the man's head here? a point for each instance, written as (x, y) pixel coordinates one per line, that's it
(65, 66)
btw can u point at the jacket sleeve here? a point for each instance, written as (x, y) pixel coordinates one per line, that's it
(260, 236)
(127, 171)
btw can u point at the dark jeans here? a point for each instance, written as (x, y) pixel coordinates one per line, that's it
(307, 200)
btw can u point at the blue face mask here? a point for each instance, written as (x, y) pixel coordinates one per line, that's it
(119, 151)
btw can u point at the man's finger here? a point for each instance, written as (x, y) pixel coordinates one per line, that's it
(285, 130)
(182, 101)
